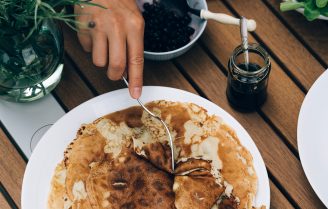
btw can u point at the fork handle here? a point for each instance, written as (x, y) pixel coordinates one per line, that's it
(226, 19)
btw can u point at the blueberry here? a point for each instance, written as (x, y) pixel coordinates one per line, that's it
(146, 6)
(190, 31)
(165, 29)
(187, 19)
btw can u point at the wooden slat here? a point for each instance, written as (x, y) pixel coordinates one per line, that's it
(278, 200)
(3, 203)
(285, 98)
(71, 89)
(281, 41)
(283, 165)
(83, 62)
(155, 73)
(314, 34)
(12, 168)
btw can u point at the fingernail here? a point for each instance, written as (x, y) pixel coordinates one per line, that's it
(136, 92)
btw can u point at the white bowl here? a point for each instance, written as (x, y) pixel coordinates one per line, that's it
(196, 23)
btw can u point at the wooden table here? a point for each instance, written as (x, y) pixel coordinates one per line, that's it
(299, 51)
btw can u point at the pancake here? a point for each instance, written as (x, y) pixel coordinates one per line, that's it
(129, 182)
(193, 167)
(159, 154)
(87, 148)
(192, 183)
(196, 192)
(91, 145)
(58, 196)
(123, 160)
(237, 170)
(227, 203)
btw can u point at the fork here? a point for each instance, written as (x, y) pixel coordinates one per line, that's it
(158, 118)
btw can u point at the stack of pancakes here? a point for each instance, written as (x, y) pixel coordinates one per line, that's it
(123, 161)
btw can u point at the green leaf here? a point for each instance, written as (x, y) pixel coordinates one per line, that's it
(311, 11)
(321, 3)
(324, 11)
(7, 45)
(291, 5)
(24, 14)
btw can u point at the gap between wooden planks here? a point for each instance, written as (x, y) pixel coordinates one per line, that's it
(71, 88)
(3, 202)
(12, 167)
(312, 33)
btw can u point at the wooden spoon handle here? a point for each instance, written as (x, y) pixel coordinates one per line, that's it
(226, 19)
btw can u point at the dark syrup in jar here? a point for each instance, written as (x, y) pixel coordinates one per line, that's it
(246, 93)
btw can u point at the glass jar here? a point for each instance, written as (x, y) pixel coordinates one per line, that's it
(31, 67)
(247, 83)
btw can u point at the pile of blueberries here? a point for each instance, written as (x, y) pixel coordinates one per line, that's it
(165, 30)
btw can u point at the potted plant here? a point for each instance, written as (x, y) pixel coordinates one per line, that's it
(31, 46)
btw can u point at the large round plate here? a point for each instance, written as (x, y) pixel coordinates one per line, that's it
(312, 137)
(49, 151)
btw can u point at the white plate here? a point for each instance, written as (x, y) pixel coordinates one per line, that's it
(312, 136)
(49, 151)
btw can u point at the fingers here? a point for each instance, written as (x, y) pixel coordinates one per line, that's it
(136, 57)
(118, 38)
(83, 33)
(99, 49)
(85, 41)
(117, 53)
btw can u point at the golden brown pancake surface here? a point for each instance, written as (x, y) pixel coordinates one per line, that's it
(129, 182)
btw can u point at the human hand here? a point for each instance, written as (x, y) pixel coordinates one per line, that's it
(115, 37)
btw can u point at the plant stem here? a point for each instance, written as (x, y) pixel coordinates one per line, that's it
(38, 2)
(48, 7)
(291, 5)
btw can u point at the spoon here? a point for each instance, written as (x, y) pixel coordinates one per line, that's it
(244, 39)
(182, 7)
(158, 118)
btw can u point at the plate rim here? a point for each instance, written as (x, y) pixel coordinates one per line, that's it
(300, 138)
(226, 116)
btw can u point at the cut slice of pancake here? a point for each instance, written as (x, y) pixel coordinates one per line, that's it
(193, 167)
(231, 203)
(129, 182)
(227, 203)
(199, 192)
(159, 154)
(195, 186)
